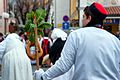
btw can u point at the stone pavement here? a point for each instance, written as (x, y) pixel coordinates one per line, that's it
(33, 69)
(0, 71)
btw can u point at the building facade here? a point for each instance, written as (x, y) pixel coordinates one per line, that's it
(3, 8)
(74, 13)
(61, 8)
(112, 22)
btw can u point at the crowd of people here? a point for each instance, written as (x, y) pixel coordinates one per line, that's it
(88, 53)
(13, 52)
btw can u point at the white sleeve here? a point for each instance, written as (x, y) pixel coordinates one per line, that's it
(3, 44)
(65, 62)
(2, 47)
(50, 42)
(2, 50)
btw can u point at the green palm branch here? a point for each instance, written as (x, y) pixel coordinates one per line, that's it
(29, 25)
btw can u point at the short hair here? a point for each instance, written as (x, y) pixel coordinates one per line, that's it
(1, 34)
(97, 15)
(87, 12)
(15, 26)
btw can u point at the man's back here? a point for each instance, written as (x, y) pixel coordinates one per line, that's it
(97, 55)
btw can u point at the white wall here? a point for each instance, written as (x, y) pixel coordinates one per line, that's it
(61, 9)
(1, 21)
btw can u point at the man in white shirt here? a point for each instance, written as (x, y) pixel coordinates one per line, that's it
(94, 52)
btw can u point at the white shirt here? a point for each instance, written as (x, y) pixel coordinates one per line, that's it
(45, 38)
(94, 52)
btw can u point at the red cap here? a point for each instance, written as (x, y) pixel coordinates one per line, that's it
(98, 10)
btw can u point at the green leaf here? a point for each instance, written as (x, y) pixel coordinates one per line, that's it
(40, 32)
(30, 15)
(32, 25)
(40, 14)
(44, 25)
(31, 37)
(29, 25)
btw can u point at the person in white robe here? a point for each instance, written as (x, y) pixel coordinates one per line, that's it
(15, 63)
(4, 42)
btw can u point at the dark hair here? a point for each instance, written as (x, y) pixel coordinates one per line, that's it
(14, 26)
(94, 19)
(97, 13)
(46, 32)
(20, 33)
(87, 12)
(1, 34)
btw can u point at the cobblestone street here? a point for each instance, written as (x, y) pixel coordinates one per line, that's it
(33, 69)
(0, 72)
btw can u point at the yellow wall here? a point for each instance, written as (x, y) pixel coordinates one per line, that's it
(114, 28)
(73, 9)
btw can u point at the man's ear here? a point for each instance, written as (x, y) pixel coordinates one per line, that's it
(89, 18)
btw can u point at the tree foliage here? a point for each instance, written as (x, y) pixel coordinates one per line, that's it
(21, 7)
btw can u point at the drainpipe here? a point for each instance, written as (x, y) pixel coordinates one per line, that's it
(78, 12)
(119, 25)
(55, 23)
(4, 6)
(70, 12)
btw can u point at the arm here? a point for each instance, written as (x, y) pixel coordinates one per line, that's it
(65, 62)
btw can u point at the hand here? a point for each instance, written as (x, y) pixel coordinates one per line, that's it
(38, 74)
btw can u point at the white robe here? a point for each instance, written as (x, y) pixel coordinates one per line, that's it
(16, 64)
